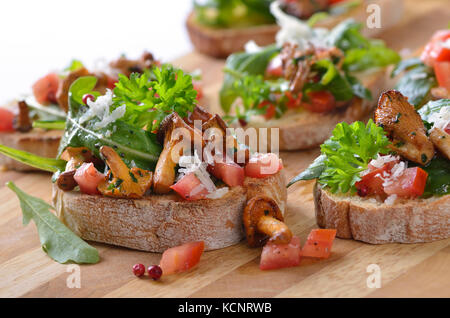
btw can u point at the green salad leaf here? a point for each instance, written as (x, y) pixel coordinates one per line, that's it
(135, 145)
(432, 107)
(46, 164)
(60, 243)
(345, 155)
(148, 101)
(416, 83)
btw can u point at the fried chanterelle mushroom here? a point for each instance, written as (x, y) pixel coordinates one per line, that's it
(404, 127)
(121, 181)
(441, 141)
(263, 221)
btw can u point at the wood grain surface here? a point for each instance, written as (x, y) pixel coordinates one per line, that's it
(407, 270)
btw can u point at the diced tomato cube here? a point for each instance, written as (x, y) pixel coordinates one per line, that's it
(199, 89)
(270, 110)
(442, 72)
(45, 88)
(293, 101)
(447, 129)
(190, 188)
(410, 184)
(263, 165)
(229, 172)
(88, 178)
(319, 243)
(320, 102)
(435, 51)
(372, 182)
(181, 258)
(275, 256)
(6, 120)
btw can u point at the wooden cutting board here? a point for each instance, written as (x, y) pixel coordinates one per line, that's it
(407, 270)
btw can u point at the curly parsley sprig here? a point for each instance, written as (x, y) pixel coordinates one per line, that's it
(153, 95)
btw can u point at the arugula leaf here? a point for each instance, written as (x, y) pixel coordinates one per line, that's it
(136, 146)
(150, 101)
(46, 164)
(348, 152)
(416, 84)
(432, 107)
(50, 124)
(74, 65)
(243, 64)
(60, 243)
(314, 170)
(48, 112)
(405, 65)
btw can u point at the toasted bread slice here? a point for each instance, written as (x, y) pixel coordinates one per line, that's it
(37, 141)
(158, 222)
(222, 42)
(303, 129)
(371, 221)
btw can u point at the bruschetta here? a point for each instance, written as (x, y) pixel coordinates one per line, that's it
(146, 168)
(306, 83)
(387, 181)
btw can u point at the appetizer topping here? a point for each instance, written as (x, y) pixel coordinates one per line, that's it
(66, 180)
(441, 118)
(88, 178)
(263, 221)
(22, 121)
(155, 272)
(319, 243)
(100, 108)
(181, 258)
(263, 165)
(87, 97)
(190, 188)
(76, 156)
(405, 128)
(122, 181)
(62, 95)
(276, 256)
(6, 120)
(138, 270)
(441, 140)
(303, 9)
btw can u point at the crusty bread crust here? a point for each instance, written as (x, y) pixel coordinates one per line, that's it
(37, 141)
(371, 221)
(223, 42)
(303, 129)
(158, 222)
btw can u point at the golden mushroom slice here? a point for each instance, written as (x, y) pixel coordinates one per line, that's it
(164, 176)
(76, 156)
(404, 127)
(121, 181)
(263, 221)
(441, 140)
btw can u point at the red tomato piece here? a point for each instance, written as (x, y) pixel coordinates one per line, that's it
(263, 165)
(270, 110)
(229, 172)
(334, 1)
(198, 87)
(112, 82)
(181, 258)
(6, 120)
(447, 129)
(321, 102)
(319, 243)
(372, 182)
(293, 102)
(275, 256)
(435, 50)
(442, 71)
(275, 67)
(410, 184)
(190, 188)
(45, 88)
(88, 178)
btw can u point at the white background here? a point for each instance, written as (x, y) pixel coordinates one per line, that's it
(37, 36)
